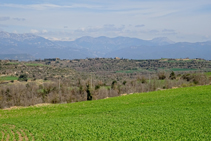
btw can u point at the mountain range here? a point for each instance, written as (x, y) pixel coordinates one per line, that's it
(12, 44)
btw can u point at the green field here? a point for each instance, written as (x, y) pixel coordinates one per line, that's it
(5, 78)
(181, 69)
(133, 71)
(208, 73)
(34, 64)
(128, 71)
(176, 114)
(12, 63)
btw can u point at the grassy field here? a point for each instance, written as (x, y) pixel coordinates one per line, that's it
(133, 71)
(181, 69)
(12, 63)
(128, 71)
(176, 114)
(208, 73)
(8, 78)
(35, 64)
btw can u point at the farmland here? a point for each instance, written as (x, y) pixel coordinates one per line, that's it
(175, 114)
(67, 81)
(8, 78)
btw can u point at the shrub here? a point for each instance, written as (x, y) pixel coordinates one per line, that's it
(89, 96)
(124, 82)
(172, 76)
(187, 77)
(161, 75)
(23, 77)
(97, 87)
(113, 84)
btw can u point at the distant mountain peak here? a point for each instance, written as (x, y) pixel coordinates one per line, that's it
(84, 39)
(18, 37)
(126, 47)
(162, 41)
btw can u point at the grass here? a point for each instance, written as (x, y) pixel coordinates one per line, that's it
(27, 64)
(181, 69)
(177, 114)
(35, 64)
(133, 71)
(12, 63)
(208, 73)
(8, 78)
(128, 71)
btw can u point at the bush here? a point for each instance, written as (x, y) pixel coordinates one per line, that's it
(143, 79)
(187, 77)
(97, 87)
(89, 95)
(23, 77)
(113, 84)
(172, 76)
(161, 75)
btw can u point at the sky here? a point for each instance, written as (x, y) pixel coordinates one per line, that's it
(178, 20)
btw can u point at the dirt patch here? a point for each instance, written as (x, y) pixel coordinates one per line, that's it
(25, 136)
(123, 94)
(14, 107)
(19, 136)
(2, 136)
(42, 104)
(32, 136)
(8, 137)
(19, 107)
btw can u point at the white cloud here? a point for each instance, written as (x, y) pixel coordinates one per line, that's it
(34, 31)
(15, 31)
(148, 19)
(50, 6)
(104, 28)
(44, 31)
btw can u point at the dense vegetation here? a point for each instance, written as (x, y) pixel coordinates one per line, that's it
(176, 114)
(66, 81)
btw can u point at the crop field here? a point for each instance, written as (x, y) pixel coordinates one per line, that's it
(8, 78)
(176, 114)
(181, 69)
(34, 64)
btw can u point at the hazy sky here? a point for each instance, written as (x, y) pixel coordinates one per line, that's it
(179, 20)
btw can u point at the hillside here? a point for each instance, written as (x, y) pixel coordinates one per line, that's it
(176, 114)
